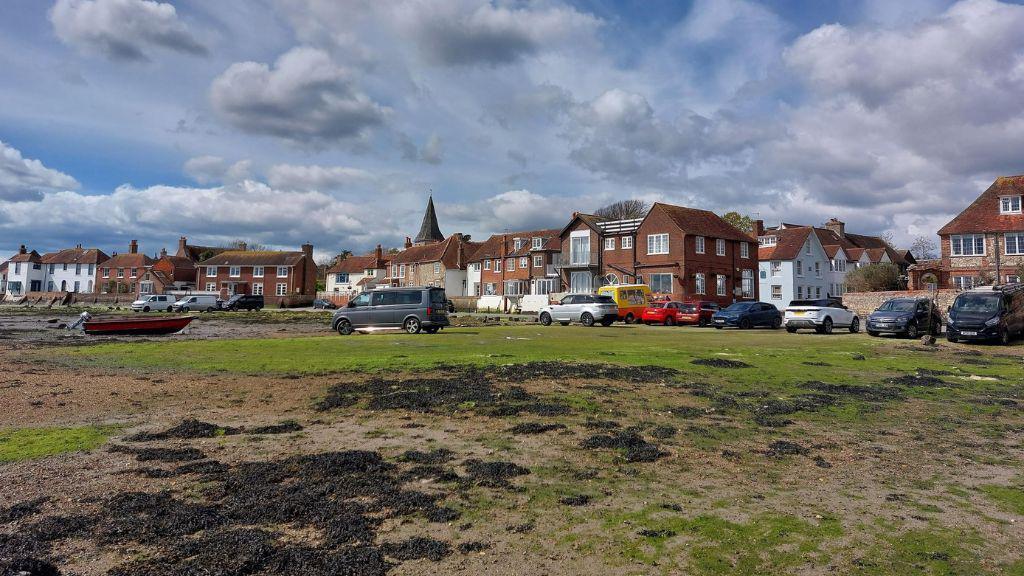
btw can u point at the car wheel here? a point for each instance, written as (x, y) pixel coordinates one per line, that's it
(587, 319)
(184, 309)
(209, 308)
(344, 327)
(872, 333)
(826, 326)
(702, 323)
(745, 324)
(912, 331)
(607, 322)
(545, 319)
(718, 327)
(855, 325)
(1004, 337)
(670, 321)
(951, 339)
(776, 324)
(790, 329)
(168, 309)
(629, 319)
(412, 325)
(145, 308)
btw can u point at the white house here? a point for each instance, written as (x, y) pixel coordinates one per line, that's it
(72, 269)
(24, 273)
(358, 273)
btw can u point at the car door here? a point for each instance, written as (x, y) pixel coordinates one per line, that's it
(358, 311)
(561, 311)
(843, 315)
(383, 306)
(769, 314)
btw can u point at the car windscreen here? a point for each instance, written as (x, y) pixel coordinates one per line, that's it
(976, 303)
(687, 307)
(740, 306)
(438, 297)
(898, 306)
(656, 305)
(604, 300)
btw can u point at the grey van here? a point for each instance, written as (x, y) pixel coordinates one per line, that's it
(411, 309)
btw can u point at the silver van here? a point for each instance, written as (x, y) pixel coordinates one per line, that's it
(411, 309)
(197, 302)
(158, 302)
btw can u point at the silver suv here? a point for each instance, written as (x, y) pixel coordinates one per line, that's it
(411, 309)
(586, 309)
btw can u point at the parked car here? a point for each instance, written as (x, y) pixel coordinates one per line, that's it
(243, 302)
(821, 315)
(666, 313)
(697, 313)
(747, 314)
(587, 309)
(324, 304)
(198, 302)
(632, 299)
(987, 313)
(905, 316)
(411, 309)
(161, 302)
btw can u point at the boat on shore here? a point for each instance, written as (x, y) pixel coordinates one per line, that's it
(136, 326)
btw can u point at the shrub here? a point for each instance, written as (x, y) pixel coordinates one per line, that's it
(874, 278)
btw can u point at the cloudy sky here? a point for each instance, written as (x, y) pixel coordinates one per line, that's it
(285, 121)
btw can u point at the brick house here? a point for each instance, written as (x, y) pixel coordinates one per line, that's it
(282, 278)
(596, 251)
(983, 244)
(177, 271)
(431, 259)
(121, 273)
(358, 273)
(515, 264)
(72, 269)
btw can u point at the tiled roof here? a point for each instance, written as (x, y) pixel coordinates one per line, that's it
(702, 222)
(32, 256)
(983, 214)
(491, 248)
(446, 252)
(254, 258)
(197, 253)
(128, 260)
(789, 241)
(356, 264)
(75, 256)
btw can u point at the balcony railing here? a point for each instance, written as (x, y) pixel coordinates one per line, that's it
(576, 260)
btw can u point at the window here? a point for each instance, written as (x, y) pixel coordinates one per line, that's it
(967, 245)
(657, 244)
(282, 289)
(1014, 244)
(341, 278)
(234, 271)
(838, 265)
(497, 265)
(809, 248)
(720, 285)
(799, 292)
(747, 284)
(211, 271)
(518, 243)
(799, 268)
(145, 287)
(719, 247)
(78, 271)
(660, 283)
(51, 269)
(1009, 205)
(817, 291)
(817, 269)
(515, 288)
(698, 243)
(64, 267)
(776, 268)
(437, 267)
(963, 282)
(92, 269)
(744, 250)
(257, 271)
(282, 271)
(78, 285)
(767, 240)
(120, 272)
(401, 270)
(543, 286)
(538, 243)
(1010, 279)
(538, 262)
(700, 283)
(394, 270)
(524, 262)
(487, 264)
(106, 272)
(609, 243)
(49, 286)
(211, 286)
(135, 272)
(257, 289)
(490, 289)
(626, 242)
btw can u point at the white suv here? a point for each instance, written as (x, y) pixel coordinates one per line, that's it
(586, 309)
(822, 315)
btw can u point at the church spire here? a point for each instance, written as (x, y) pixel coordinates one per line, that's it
(429, 231)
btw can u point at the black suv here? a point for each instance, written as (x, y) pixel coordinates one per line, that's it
(244, 302)
(905, 316)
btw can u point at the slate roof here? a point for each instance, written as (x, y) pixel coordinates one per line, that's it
(254, 258)
(983, 214)
(75, 255)
(429, 230)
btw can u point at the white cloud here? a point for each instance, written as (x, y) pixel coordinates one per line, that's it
(122, 29)
(27, 179)
(294, 177)
(304, 98)
(210, 169)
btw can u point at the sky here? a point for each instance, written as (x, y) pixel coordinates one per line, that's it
(281, 122)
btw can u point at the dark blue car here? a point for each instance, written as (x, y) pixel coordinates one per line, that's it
(748, 315)
(908, 317)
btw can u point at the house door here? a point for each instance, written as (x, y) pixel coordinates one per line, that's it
(35, 286)
(580, 282)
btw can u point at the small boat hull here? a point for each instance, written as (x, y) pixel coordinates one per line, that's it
(139, 326)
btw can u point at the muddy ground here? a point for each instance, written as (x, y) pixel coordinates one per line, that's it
(542, 468)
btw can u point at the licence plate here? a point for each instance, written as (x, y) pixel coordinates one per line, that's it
(969, 333)
(719, 321)
(799, 313)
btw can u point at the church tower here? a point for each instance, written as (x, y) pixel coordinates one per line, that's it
(430, 232)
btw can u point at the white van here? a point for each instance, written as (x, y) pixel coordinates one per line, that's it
(158, 302)
(198, 302)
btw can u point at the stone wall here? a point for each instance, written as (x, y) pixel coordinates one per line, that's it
(864, 303)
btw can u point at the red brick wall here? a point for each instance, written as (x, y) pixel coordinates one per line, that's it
(502, 275)
(302, 275)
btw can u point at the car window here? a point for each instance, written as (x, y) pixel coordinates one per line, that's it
(408, 297)
(385, 298)
(437, 296)
(603, 299)
(362, 300)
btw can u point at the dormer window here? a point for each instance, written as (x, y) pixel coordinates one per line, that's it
(1009, 205)
(518, 243)
(538, 243)
(767, 240)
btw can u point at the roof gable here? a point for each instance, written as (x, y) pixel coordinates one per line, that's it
(357, 264)
(700, 222)
(983, 215)
(788, 244)
(254, 258)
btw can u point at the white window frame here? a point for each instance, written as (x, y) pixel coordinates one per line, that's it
(257, 289)
(538, 262)
(747, 283)
(134, 272)
(234, 271)
(959, 240)
(799, 292)
(720, 284)
(776, 266)
(518, 243)
(963, 282)
(651, 281)
(817, 269)
(437, 267)
(487, 264)
(1018, 243)
(1009, 204)
(698, 244)
(799, 268)
(609, 243)
(257, 271)
(497, 265)
(510, 264)
(120, 272)
(524, 262)
(626, 243)
(537, 244)
(401, 270)
(720, 247)
(282, 271)
(281, 289)
(657, 244)
(700, 283)
(211, 271)
(211, 286)
(744, 250)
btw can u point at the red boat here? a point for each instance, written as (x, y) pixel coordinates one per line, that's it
(137, 325)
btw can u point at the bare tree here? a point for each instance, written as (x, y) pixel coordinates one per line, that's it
(624, 210)
(889, 238)
(924, 248)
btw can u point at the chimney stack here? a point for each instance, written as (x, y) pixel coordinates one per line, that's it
(758, 228)
(408, 242)
(163, 252)
(243, 246)
(79, 246)
(22, 250)
(133, 247)
(182, 244)
(378, 253)
(307, 249)
(836, 226)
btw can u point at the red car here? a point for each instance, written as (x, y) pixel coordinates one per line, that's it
(696, 313)
(666, 313)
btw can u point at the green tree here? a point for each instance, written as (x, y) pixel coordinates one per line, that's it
(740, 221)
(874, 278)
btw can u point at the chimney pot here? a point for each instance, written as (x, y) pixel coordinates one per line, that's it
(22, 250)
(133, 247)
(408, 242)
